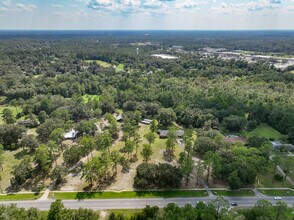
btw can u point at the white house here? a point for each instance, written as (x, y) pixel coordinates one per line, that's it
(72, 134)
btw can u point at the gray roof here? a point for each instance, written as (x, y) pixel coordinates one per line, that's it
(164, 133)
(70, 134)
(278, 144)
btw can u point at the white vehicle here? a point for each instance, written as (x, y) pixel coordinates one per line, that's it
(277, 198)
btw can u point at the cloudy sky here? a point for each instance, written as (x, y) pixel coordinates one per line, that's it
(147, 14)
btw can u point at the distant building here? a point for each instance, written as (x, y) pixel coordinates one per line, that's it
(118, 118)
(234, 138)
(72, 134)
(146, 121)
(278, 144)
(25, 122)
(164, 133)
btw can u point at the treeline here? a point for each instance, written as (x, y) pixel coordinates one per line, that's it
(200, 91)
(214, 210)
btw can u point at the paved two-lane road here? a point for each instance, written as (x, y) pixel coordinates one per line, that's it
(103, 204)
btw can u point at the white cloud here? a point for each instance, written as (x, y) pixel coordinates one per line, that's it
(56, 6)
(242, 8)
(151, 4)
(129, 2)
(100, 4)
(290, 8)
(10, 6)
(229, 9)
(188, 4)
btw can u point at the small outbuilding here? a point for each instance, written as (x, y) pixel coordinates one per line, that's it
(118, 118)
(164, 133)
(278, 144)
(25, 122)
(146, 121)
(72, 134)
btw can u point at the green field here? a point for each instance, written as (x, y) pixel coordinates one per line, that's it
(266, 131)
(277, 192)
(127, 213)
(231, 193)
(120, 67)
(15, 110)
(11, 158)
(100, 62)
(266, 180)
(87, 97)
(129, 194)
(292, 71)
(291, 173)
(20, 196)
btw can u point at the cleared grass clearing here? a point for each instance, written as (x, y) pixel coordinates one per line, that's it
(15, 111)
(266, 131)
(100, 62)
(266, 180)
(127, 213)
(120, 67)
(124, 181)
(11, 158)
(87, 97)
(277, 192)
(232, 193)
(32, 131)
(129, 194)
(291, 173)
(20, 196)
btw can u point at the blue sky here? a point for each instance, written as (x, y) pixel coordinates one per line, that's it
(147, 14)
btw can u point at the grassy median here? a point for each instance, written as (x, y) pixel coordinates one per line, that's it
(277, 192)
(128, 194)
(234, 193)
(20, 196)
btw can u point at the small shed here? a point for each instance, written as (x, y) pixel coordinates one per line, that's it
(118, 118)
(25, 122)
(164, 133)
(72, 134)
(278, 144)
(146, 121)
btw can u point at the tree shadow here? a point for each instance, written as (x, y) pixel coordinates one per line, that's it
(86, 195)
(102, 184)
(21, 154)
(168, 155)
(34, 184)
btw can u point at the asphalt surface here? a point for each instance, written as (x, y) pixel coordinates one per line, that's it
(103, 204)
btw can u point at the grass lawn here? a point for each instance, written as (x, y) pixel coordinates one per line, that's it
(14, 110)
(268, 132)
(242, 192)
(10, 160)
(32, 131)
(37, 76)
(129, 194)
(120, 67)
(127, 213)
(292, 71)
(22, 196)
(277, 192)
(87, 97)
(266, 180)
(291, 173)
(100, 62)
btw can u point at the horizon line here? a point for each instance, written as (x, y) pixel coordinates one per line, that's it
(146, 29)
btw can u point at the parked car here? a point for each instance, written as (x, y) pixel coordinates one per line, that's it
(234, 204)
(277, 198)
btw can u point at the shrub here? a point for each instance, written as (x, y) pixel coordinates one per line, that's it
(278, 177)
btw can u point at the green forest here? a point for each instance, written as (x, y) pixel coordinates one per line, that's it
(51, 85)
